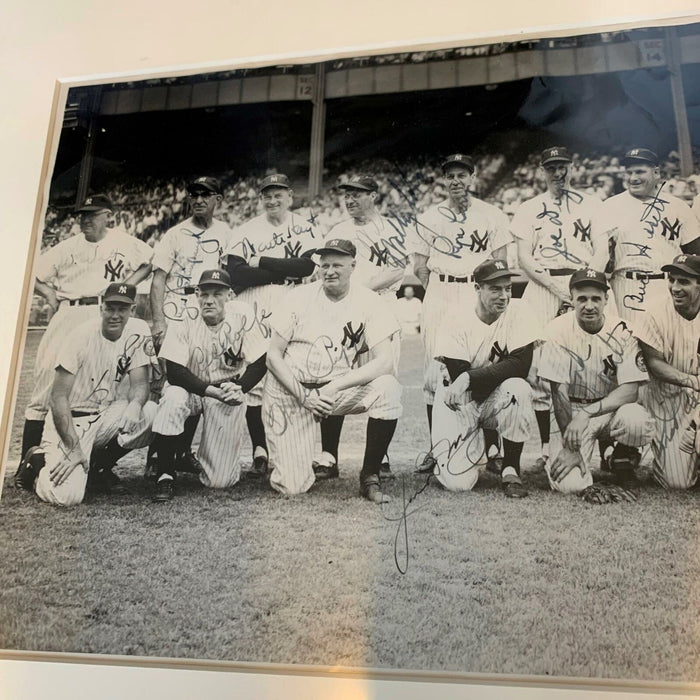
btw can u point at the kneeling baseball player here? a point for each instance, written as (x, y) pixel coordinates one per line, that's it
(487, 351)
(669, 335)
(595, 369)
(317, 335)
(88, 427)
(211, 362)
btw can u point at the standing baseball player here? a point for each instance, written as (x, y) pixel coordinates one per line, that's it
(380, 265)
(183, 253)
(487, 350)
(650, 227)
(451, 239)
(595, 369)
(669, 335)
(71, 276)
(88, 426)
(211, 361)
(317, 336)
(267, 255)
(557, 233)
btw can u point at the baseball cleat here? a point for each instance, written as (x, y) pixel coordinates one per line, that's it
(622, 462)
(164, 491)
(513, 487)
(261, 464)
(325, 471)
(494, 465)
(385, 473)
(371, 491)
(188, 463)
(29, 468)
(105, 481)
(540, 463)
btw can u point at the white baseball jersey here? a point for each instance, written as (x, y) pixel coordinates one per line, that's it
(561, 230)
(258, 237)
(456, 242)
(78, 268)
(649, 232)
(186, 250)
(591, 364)
(381, 248)
(324, 336)
(215, 353)
(99, 364)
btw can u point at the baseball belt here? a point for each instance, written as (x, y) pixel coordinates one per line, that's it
(83, 414)
(644, 275)
(563, 272)
(451, 278)
(83, 301)
(288, 281)
(313, 385)
(573, 399)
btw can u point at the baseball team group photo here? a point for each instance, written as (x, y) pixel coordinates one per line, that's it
(387, 361)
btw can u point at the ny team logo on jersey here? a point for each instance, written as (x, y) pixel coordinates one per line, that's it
(123, 364)
(114, 270)
(670, 231)
(378, 256)
(497, 352)
(231, 357)
(292, 250)
(609, 367)
(581, 231)
(352, 338)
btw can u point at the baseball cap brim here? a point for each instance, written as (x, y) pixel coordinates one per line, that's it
(120, 298)
(589, 283)
(213, 283)
(498, 274)
(330, 251)
(355, 186)
(685, 269)
(91, 207)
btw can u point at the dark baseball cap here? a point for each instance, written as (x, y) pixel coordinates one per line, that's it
(96, 202)
(338, 245)
(458, 159)
(208, 184)
(640, 155)
(491, 270)
(120, 291)
(360, 182)
(688, 264)
(215, 278)
(588, 276)
(276, 180)
(555, 154)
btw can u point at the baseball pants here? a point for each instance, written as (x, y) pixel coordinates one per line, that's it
(441, 300)
(633, 296)
(458, 438)
(94, 431)
(674, 449)
(64, 321)
(222, 432)
(292, 431)
(630, 425)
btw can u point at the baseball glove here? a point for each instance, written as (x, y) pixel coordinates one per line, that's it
(598, 494)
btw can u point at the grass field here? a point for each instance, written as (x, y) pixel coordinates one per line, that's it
(546, 585)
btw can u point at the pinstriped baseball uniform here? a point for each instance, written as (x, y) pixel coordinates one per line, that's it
(183, 253)
(214, 354)
(457, 438)
(672, 407)
(323, 339)
(258, 237)
(78, 268)
(99, 366)
(455, 243)
(648, 233)
(381, 248)
(592, 365)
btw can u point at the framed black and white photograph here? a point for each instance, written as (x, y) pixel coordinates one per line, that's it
(383, 362)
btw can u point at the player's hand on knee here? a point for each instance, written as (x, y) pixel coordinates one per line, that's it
(232, 394)
(574, 431)
(74, 459)
(564, 462)
(455, 392)
(321, 406)
(158, 333)
(130, 418)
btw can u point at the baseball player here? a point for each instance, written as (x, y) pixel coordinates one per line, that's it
(487, 350)
(451, 239)
(212, 361)
(88, 427)
(595, 369)
(380, 265)
(650, 227)
(179, 258)
(316, 338)
(557, 233)
(71, 276)
(669, 335)
(267, 255)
